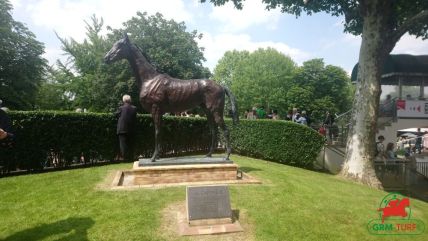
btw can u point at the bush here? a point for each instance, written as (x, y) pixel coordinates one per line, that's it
(70, 135)
(279, 141)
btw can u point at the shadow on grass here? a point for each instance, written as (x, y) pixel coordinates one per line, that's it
(235, 215)
(249, 169)
(67, 229)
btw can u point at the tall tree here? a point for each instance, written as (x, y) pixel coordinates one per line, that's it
(21, 61)
(258, 78)
(318, 88)
(225, 70)
(167, 44)
(92, 84)
(99, 87)
(381, 23)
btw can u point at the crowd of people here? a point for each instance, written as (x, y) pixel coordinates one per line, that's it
(293, 115)
(387, 157)
(328, 127)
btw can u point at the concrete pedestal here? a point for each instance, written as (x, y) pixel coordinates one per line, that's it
(176, 174)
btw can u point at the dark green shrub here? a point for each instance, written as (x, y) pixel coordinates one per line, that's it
(70, 135)
(279, 141)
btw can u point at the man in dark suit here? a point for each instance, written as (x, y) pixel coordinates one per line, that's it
(5, 126)
(7, 141)
(127, 115)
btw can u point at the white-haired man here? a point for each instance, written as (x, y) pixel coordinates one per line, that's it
(5, 125)
(7, 140)
(127, 114)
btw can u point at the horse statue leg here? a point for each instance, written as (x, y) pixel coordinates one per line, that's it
(213, 128)
(220, 122)
(157, 119)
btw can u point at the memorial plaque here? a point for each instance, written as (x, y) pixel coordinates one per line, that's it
(208, 202)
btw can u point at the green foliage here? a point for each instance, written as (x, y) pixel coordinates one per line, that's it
(92, 135)
(291, 204)
(279, 141)
(317, 88)
(54, 92)
(258, 78)
(225, 70)
(399, 12)
(270, 79)
(167, 44)
(381, 23)
(21, 62)
(86, 82)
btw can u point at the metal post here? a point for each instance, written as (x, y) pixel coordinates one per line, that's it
(400, 88)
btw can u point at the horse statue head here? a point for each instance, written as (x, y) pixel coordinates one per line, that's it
(120, 50)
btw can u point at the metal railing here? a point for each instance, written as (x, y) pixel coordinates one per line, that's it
(397, 173)
(343, 123)
(388, 109)
(422, 168)
(343, 120)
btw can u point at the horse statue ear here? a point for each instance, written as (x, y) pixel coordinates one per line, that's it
(125, 36)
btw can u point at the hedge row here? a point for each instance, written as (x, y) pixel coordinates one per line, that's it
(69, 136)
(280, 141)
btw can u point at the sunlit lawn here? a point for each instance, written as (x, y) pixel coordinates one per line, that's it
(292, 204)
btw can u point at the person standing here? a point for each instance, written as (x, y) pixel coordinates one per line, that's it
(380, 157)
(328, 122)
(294, 115)
(303, 119)
(275, 115)
(418, 144)
(127, 117)
(289, 115)
(6, 135)
(7, 140)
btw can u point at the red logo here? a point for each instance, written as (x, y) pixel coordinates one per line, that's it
(395, 207)
(401, 104)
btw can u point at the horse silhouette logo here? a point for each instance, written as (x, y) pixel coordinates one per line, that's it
(395, 207)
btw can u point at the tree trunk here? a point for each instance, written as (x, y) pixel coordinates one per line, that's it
(361, 139)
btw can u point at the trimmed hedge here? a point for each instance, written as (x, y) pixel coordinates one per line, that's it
(280, 141)
(69, 135)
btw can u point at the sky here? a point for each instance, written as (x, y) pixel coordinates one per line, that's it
(224, 28)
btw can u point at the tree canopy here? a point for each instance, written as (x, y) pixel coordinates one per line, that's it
(270, 79)
(318, 88)
(404, 16)
(167, 44)
(21, 62)
(260, 78)
(91, 84)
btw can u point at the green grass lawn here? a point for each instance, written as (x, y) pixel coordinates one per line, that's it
(291, 204)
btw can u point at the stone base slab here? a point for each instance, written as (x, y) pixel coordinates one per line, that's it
(163, 176)
(179, 173)
(213, 221)
(185, 229)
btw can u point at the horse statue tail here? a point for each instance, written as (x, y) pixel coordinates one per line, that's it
(235, 115)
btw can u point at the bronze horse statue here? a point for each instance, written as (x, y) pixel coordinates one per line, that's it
(160, 93)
